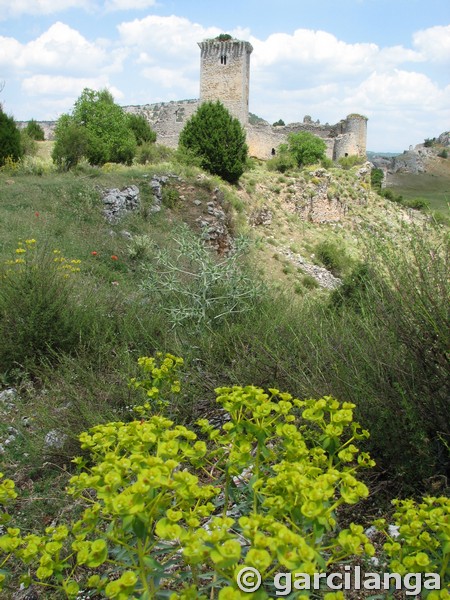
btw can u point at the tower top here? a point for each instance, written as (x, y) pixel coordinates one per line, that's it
(225, 73)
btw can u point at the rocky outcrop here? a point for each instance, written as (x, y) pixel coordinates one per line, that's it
(323, 277)
(119, 202)
(215, 224)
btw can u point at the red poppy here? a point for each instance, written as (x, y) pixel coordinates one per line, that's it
(36, 214)
(114, 257)
(94, 253)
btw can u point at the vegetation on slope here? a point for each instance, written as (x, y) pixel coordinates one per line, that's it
(380, 341)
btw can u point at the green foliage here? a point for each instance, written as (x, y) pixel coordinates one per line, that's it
(29, 146)
(176, 512)
(429, 142)
(152, 153)
(97, 129)
(218, 139)
(332, 256)
(224, 37)
(10, 142)
(38, 317)
(416, 204)
(170, 196)
(71, 143)
(194, 286)
(283, 161)
(141, 129)
(398, 301)
(306, 148)
(279, 123)
(443, 153)
(422, 542)
(347, 162)
(376, 178)
(35, 131)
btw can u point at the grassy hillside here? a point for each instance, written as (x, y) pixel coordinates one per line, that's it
(432, 186)
(264, 314)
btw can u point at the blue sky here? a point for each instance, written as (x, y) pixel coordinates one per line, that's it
(386, 59)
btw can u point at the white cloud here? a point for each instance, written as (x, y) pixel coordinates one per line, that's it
(173, 36)
(60, 48)
(59, 85)
(434, 43)
(113, 5)
(15, 8)
(399, 89)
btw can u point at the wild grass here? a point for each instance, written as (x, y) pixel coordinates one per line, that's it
(379, 343)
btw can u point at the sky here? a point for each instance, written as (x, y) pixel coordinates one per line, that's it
(386, 59)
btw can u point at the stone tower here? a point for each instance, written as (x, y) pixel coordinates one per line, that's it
(225, 74)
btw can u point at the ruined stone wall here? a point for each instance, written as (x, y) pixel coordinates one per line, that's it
(167, 119)
(263, 139)
(225, 74)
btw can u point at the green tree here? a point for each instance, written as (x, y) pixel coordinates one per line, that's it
(376, 178)
(71, 142)
(10, 141)
(141, 129)
(306, 148)
(218, 139)
(35, 131)
(97, 129)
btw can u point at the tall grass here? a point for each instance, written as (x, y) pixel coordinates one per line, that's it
(381, 341)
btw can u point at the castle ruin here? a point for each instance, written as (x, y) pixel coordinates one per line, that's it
(225, 76)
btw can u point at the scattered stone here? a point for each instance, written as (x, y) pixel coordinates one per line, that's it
(323, 277)
(262, 216)
(55, 440)
(157, 183)
(119, 202)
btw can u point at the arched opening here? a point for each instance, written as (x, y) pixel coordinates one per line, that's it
(273, 152)
(223, 59)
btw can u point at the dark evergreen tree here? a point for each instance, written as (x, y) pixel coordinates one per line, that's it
(35, 131)
(10, 140)
(141, 129)
(217, 139)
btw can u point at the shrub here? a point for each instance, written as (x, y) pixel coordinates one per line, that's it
(416, 204)
(170, 196)
(332, 256)
(283, 161)
(347, 162)
(38, 315)
(196, 287)
(218, 139)
(443, 153)
(141, 129)
(10, 142)
(35, 131)
(174, 512)
(279, 123)
(71, 143)
(29, 146)
(148, 152)
(376, 178)
(306, 148)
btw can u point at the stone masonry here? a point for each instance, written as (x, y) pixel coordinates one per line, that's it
(225, 76)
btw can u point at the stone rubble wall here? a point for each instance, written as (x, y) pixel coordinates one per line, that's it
(167, 119)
